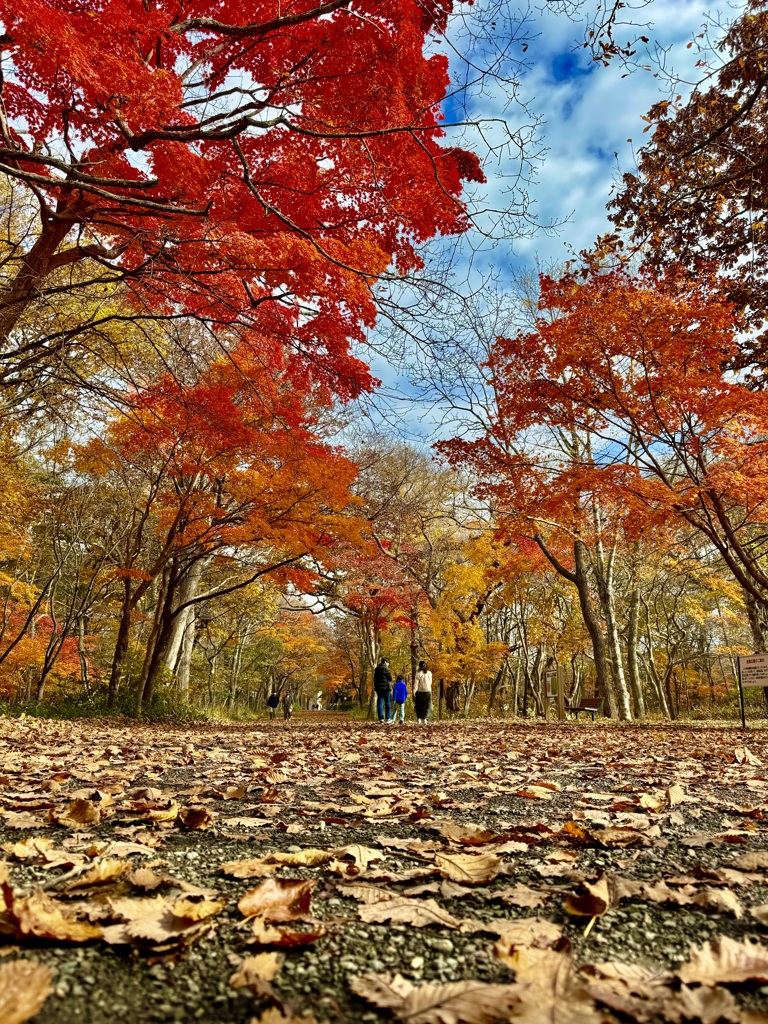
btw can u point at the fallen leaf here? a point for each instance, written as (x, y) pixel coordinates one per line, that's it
(401, 910)
(725, 961)
(525, 933)
(467, 868)
(255, 973)
(550, 989)
(521, 896)
(278, 899)
(24, 987)
(367, 893)
(196, 816)
(462, 1002)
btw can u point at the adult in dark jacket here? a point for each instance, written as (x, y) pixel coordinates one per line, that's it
(382, 684)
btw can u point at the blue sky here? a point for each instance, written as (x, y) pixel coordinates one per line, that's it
(589, 112)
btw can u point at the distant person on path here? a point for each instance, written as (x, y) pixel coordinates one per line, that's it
(422, 693)
(382, 684)
(399, 697)
(287, 706)
(272, 701)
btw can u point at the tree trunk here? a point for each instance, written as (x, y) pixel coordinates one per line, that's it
(603, 678)
(185, 659)
(187, 591)
(121, 646)
(633, 666)
(144, 692)
(605, 591)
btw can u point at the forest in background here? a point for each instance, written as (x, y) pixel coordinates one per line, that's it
(190, 268)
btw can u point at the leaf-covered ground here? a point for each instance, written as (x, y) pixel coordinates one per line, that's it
(472, 872)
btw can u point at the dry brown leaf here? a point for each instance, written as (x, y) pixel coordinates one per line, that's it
(725, 961)
(151, 921)
(146, 878)
(550, 990)
(367, 893)
(281, 935)
(468, 868)
(103, 871)
(611, 837)
(255, 973)
(675, 795)
(253, 867)
(521, 896)
(42, 916)
(535, 793)
(275, 1016)
(721, 900)
(467, 835)
(598, 898)
(24, 987)
(753, 861)
(655, 802)
(197, 908)
(278, 899)
(462, 1002)
(40, 850)
(196, 816)
(708, 1005)
(527, 932)
(168, 813)
(360, 856)
(639, 992)
(401, 910)
(82, 812)
(743, 755)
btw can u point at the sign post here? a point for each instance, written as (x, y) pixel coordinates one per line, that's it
(753, 671)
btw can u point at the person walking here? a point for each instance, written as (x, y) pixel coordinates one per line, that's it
(287, 705)
(272, 702)
(422, 693)
(399, 697)
(382, 684)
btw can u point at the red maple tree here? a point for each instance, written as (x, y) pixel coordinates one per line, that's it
(255, 165)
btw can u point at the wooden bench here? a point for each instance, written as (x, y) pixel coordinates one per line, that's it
(592, 705)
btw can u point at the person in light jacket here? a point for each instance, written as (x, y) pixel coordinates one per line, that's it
(399, 697)
(422, 693)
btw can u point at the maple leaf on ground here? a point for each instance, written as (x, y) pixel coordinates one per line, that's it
(24, 987)
(462, 1002)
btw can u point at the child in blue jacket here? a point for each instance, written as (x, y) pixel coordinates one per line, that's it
(399, 697)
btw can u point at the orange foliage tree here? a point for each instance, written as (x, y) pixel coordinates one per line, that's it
(638, 364)
(224, 475)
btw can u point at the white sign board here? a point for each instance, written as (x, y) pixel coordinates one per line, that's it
(753, 669)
